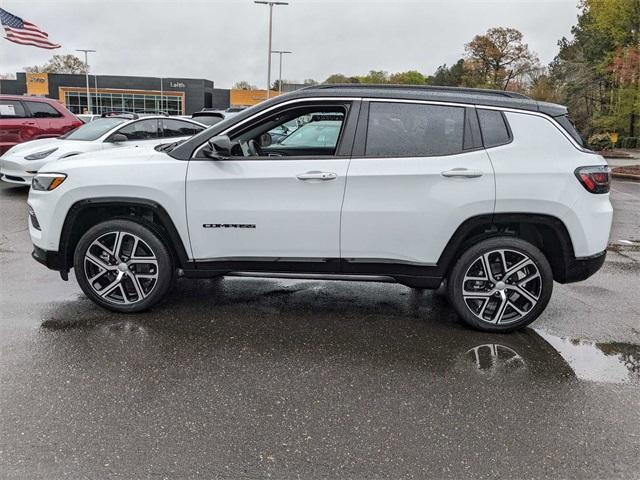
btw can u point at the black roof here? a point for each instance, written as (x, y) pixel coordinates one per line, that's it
(474, 96)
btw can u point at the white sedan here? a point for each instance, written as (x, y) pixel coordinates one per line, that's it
(20, 163)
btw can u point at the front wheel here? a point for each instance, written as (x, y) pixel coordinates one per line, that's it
(500, 284)
(123, 265)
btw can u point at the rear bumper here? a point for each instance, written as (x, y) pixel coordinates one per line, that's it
(581, 268)
(51, 260)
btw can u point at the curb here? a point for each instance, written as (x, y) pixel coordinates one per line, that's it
(628, 176)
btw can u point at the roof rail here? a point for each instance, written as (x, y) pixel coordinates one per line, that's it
(432, 88)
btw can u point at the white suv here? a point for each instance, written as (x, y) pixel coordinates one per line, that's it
(488, 192)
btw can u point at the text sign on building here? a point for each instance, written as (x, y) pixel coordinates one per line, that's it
(37, 84)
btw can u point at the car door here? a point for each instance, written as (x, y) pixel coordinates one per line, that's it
(418, 172)
(15, 124)
(140, 133)
(271, 211)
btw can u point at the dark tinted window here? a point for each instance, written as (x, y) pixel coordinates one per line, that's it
(494, 129)
(142, 130)
(414, 130)
(42, 110)
(177, 128)
(11, 109)
(568, 125)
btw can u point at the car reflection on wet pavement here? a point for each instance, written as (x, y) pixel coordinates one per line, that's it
(255, 378)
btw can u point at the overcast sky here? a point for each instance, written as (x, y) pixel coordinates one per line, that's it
(226, 40)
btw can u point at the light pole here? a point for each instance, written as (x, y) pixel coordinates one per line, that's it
(86, 66)
(271, 4)
(280, 53)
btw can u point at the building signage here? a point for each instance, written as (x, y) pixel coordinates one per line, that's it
(37, 84)
(176, 85)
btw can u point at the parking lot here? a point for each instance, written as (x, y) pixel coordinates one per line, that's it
(254, 378)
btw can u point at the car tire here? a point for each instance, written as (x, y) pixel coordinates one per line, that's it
(500, 284)
(124, 265)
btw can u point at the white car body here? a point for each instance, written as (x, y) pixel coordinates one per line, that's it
(395, 216)
(15, 168)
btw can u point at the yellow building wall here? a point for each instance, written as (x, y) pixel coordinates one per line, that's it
(241, 98)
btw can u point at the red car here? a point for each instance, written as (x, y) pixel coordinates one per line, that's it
(25, 118)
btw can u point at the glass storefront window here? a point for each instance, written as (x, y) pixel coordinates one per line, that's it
(76, 102)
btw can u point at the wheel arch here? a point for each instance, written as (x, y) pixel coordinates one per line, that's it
(546, 232)
(89, 212)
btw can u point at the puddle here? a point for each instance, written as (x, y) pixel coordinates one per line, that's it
(610, 362)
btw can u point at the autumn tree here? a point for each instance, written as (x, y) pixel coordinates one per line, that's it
(500, 56)
(60, 64)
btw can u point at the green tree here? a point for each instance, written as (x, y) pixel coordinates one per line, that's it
(60, 64)
(410, 77)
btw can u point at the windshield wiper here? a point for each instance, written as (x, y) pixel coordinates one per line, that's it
(167, 147)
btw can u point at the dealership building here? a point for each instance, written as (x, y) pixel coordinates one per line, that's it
(176, 96)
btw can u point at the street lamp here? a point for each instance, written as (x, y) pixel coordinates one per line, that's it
(280, 53)
(271, 4)
(86, 64)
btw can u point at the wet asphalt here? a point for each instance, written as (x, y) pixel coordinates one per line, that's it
(250, 378)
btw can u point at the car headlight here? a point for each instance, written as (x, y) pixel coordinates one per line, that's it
(45, 182)
(40, 155)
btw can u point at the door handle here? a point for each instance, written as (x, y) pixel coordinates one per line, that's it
(462, 172)
(322, 176)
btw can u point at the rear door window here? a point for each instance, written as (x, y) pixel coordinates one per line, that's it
(414, 130)
(12, 109)
(494, 128)
(42, 110)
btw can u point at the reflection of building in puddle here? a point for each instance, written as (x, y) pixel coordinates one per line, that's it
(613, 362)
(495, 359)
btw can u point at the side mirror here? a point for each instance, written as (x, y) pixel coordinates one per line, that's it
(219, 148)
(265, 140)
(118, 138)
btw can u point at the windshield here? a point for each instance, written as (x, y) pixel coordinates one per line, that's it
(315, 134)
(93, 130)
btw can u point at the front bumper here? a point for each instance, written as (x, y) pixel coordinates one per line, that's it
(581, 268)
(13, 173)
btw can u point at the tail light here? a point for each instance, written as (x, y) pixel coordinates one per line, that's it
(594, 179)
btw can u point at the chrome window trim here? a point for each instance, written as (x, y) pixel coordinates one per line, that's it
(403, 100)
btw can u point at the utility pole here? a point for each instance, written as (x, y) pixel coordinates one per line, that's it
(271, 4)
(280, 53)
(86, 66)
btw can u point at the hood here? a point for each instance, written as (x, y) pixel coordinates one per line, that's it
(124, 155)
(64, 147)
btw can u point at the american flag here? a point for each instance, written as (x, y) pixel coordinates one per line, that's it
(24, 33)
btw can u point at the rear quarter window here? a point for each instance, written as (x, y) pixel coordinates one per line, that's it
(494, 128)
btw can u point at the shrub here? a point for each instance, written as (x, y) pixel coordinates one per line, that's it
(600, 141)
(630, 142)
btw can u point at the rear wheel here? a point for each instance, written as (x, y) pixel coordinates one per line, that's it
(500, 284)
(123, 266)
